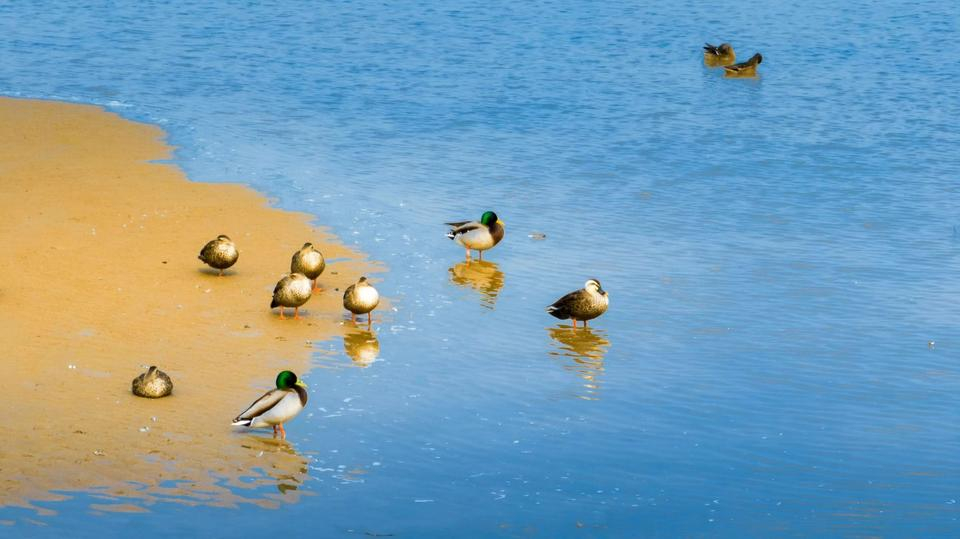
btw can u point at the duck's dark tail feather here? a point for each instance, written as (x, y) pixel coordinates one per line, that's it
(274, 303)
(711, 49)
(558, 312)
(450, 234)
(241, 422)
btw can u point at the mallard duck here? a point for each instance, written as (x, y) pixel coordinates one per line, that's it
(276, 406)
(220, 253)
(308, 261)
(292, 291)
(744, 69)
(361, 298)
(152, 384)
(718, 56)
(478, 235)
(585, 304)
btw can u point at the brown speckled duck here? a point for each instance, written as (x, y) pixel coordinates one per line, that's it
(716, 56)
(744, 69)
(220, 253)
(152, 384)
(361, 298)
(585, 304)
(292, 290)
(308, 261)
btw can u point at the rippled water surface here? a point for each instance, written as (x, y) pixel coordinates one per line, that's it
(781, 352)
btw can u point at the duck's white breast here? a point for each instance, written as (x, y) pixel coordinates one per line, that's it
(285, 410)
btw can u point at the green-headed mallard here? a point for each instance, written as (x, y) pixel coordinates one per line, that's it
(276, 406)
(744, 69)
(220, 253)
(308, 261)
(478, 235)
(152, 384)
(292, 291)
(585, 304)
(361, 298)
(718, 56)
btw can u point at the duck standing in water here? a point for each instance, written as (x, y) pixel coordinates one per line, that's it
(292, 291)
(152, 384)
(744, 69)
(585, 304)
(716, 56)
(477, 235)
(276, 406)
(308, 261)
(220, 253)
(361, 298)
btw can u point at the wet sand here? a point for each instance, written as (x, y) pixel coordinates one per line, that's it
(99, 278)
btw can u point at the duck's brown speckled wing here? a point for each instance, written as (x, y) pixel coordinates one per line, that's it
(562, 307)
(207, 250)
(261, 405)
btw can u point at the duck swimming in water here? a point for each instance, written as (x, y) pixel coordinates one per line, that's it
(276, 406)
(477, 235)
(716, 56)
(744, 69)
(585, 304)
(220, 253)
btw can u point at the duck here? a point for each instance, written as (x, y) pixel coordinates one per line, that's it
(585, 304)
(293, 290)
(361, 298)
(308, 261)
(477, 235)
(722, 55)
(276, 406)
(152, 384)
(220, 253)
(744, 69)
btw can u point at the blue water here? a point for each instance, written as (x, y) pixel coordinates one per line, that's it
(780, 356)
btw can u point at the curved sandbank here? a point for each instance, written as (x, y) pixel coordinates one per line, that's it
(99, 278)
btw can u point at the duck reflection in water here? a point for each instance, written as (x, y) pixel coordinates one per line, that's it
(584, 349)
(362, 346)
(483, 276)
(276, 463)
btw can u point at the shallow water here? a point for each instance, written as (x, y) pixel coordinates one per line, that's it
(779, 253)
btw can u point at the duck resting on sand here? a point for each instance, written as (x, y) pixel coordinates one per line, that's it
(292, 290)
(477, 235)
(220, 253)
(585, 304)
(152, 384)
(308, 261)
(276, 406)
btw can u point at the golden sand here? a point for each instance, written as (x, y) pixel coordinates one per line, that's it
(99, 277)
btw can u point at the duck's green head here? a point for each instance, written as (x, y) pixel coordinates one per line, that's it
(286, 380)
(488, 218)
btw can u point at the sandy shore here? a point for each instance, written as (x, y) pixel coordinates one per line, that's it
(99, 277)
